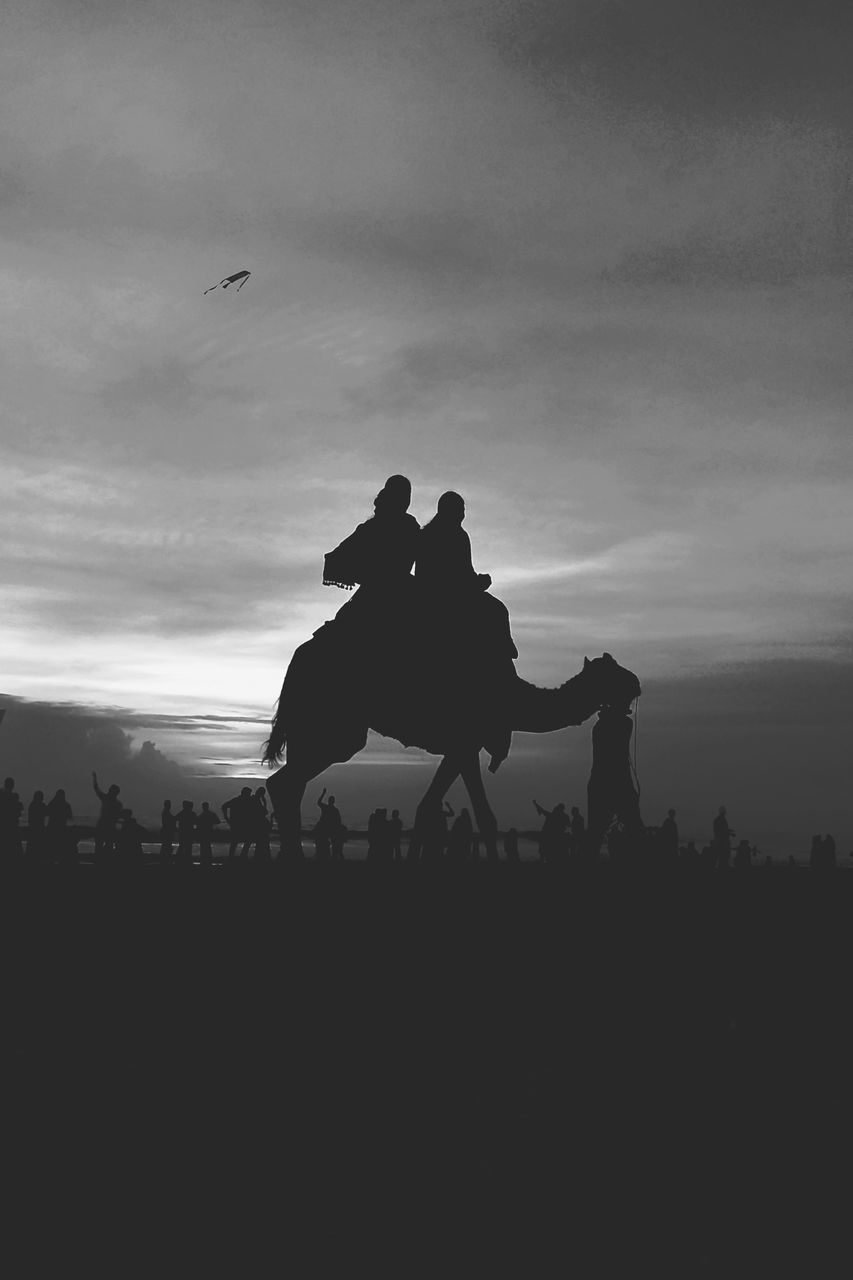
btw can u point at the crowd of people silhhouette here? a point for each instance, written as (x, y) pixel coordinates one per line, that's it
(46, 834)
(184, 836)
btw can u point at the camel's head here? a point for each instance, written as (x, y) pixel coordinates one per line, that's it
(613, 685)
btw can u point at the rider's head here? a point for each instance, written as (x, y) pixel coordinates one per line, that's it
(395, 495)
(451, 507)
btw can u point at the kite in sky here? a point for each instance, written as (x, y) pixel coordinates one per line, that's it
(242, 276)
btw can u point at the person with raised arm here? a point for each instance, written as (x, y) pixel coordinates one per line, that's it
(553, 832)
(107, 824)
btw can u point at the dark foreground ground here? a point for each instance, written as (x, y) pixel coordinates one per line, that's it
(325, 1070)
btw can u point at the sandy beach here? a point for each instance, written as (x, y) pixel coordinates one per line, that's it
(598, 1068)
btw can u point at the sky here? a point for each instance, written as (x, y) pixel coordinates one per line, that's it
(587, 263)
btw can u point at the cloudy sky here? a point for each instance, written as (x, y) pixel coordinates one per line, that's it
(589, 263)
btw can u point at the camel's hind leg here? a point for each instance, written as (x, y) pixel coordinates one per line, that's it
(487, 823)
(443, 778)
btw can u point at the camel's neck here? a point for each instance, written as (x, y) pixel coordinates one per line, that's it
(543, 710)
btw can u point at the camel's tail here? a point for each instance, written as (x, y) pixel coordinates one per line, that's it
(276, 742)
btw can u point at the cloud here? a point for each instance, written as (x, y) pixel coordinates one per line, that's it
(653, 552)
(687, 57)
(51, 745)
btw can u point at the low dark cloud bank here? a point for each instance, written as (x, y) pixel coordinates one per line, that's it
(50, 745)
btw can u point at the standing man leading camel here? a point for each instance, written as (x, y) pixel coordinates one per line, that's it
(611, 791)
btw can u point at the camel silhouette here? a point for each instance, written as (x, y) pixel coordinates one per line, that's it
(325, 710)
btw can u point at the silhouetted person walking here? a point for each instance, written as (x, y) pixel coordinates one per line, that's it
(111, 810)
(37, 827)
(822, 856)
(11, 808)
(429, 837)
(259, 825)
(337, 839)
(743, 856)
(60, 842)
(378, 846)
(129, 850)
(460, 838)
(395, 835)
(168, 829)
(669, 838)
(383, 836)
(205, 822)
(330, 827)
(511, 845)
(554, 828)
(722, 839)
(611, 792)
(186, 821)
(371, 836)
(238, 815)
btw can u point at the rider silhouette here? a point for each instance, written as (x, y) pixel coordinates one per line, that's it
(380, 553)
(378, 556)
(466, 629)
(444, 566)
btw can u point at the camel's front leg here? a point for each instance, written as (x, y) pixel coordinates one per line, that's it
(306, 760)
(487, 823)
(286, 788)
